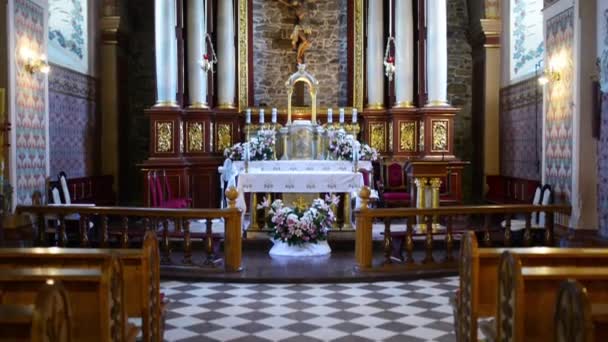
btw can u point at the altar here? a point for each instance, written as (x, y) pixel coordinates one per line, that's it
(295, 178)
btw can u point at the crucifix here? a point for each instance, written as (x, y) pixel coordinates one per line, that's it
(300, 35)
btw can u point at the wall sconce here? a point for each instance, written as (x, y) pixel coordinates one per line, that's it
(549, 76)
(33, 62)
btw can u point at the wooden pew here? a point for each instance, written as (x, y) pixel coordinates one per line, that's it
(96, 296)
(141, 270)
(576, 318)
(48, 319)
(527, 296)
(479, 276)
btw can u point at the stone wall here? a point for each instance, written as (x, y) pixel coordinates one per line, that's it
(460, 75)
(274, 60)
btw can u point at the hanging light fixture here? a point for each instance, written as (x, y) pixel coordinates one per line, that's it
(389, 59)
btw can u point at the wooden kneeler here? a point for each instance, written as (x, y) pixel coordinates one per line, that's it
(48, 319)
(141, 271)
(527, 296)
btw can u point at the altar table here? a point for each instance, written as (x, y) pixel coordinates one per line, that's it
(299, 176)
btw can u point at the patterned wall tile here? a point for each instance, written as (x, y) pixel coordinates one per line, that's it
(30, 99)
(521, 130)
(559, 98)
(72, 123)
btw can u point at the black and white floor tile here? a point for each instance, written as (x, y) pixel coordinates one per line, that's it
(381, 311)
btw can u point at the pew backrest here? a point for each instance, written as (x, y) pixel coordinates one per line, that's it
(573, 313)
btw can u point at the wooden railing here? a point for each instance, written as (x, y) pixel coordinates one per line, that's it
(428, 218)
(125, 222)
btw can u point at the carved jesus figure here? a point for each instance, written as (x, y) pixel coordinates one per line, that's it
(301, 32)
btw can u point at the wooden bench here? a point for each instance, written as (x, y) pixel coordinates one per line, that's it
(96, 295)
(48, 319)
(479, 276)
(576, 318)
(141, 271)
(527, 296)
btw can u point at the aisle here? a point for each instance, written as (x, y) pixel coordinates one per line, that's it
(383, 311)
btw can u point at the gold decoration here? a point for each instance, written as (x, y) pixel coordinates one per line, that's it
(440, 135)
(243, 51)
(421, 137)
(300, 203)
(199, 105)
(164, 136)
(224, 136)
(358, 55)
(390, 137)
(302, 76)
(437, 103)
(181, 136)
(378, 136)
(166, 103)
(404, 104)
(196, 136)
(377, 106)
(407, 136)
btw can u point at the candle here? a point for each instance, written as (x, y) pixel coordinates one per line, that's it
(274, 115)
(330, 115)
(261, 115)
(248, 116)
(354, 115)
(341, 115)
(246, 152)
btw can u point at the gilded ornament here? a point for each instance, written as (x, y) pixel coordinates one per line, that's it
(164, 136)
(407, 136)
(440, 135)
(196, 136)
(358, 54)
(378, 136)
(224, 136)
(421, 137)
(390, 137)
(243, 72)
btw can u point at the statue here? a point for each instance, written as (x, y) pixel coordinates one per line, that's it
(301, 32)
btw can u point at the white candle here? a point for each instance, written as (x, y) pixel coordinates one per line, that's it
(330, 115)
(341, 115)
(246, 152)
(261, 115)
(274, 115)
(248, 116)
(354, 115)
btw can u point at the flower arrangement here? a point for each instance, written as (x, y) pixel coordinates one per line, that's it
(260, 147)
(300, 225)
(342, 145)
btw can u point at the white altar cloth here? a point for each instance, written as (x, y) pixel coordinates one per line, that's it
(299, 165)
(299, 182)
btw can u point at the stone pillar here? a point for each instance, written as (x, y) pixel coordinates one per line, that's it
(375, 55)
(404, 54)
(226, 55)
(165, 20)
(437, 53)
(197, 30)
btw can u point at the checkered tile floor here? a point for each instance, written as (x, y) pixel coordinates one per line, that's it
(381, 311)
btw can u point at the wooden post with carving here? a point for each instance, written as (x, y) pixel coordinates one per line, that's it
(363, 237)
(233, 238)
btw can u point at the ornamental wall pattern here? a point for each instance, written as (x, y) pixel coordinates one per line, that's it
(559, 106)
(29, 122)
(72, 123)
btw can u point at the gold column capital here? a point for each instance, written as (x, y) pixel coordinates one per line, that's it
(420, 181)
(435, 183)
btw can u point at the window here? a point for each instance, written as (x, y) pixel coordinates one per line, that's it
(526, 29)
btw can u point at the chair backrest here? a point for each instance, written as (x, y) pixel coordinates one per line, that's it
(536, 201)
(152, 187)
(547, 198)
(393, 175)
(56, 196)
(167, 186)
(160, 196)
(63, 182)
(365, 174)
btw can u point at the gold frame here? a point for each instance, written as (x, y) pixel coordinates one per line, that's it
(243, 54)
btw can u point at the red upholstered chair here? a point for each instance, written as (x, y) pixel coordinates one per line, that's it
(161, 193)
(392, 188)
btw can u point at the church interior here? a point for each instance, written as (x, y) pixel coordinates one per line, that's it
(304, 170)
